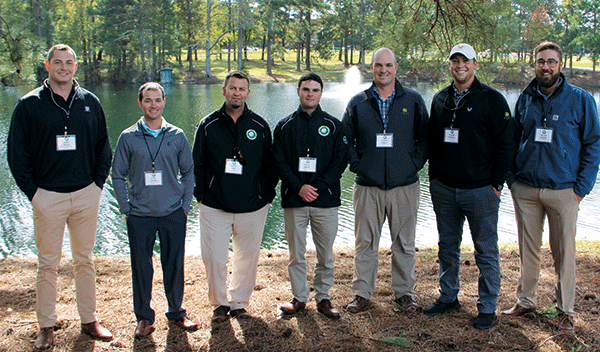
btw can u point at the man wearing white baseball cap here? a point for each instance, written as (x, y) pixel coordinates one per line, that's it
(470, 153)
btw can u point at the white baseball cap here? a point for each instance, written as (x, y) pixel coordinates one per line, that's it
(464, 49)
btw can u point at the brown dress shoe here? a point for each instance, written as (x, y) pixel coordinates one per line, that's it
(184, 323)
(358, 304)
(324, 307)
(518, 310)
(220, 314)
(292, 307)
(96, 331)
(143, 329)
(45, 339)
(566, 323)
(239, 313)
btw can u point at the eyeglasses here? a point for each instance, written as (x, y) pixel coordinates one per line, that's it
(237, 155)
(551, 63)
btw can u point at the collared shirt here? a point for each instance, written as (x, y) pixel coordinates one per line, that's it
(384, 105)
(155, 133)
(537, 89)
(459, 95)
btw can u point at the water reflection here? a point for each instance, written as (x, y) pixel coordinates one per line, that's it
(185, 106)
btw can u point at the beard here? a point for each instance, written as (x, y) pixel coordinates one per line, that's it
(547, 82)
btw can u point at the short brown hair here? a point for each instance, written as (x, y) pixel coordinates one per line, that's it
(150, 86)
(238, 75)
(548, 46)
(61, 47)
(310, 76)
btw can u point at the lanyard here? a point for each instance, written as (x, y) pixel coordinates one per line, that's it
(153, 158)
(67, 112)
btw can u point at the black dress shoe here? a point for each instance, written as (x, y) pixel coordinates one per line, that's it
(324, 307)
(143, 329)
(439, 307)
(484, 321)
(292, 307)
(184, 323)
(45, 339)
(96, 331)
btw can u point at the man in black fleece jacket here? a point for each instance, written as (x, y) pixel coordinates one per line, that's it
(470, 150)
(59, 154)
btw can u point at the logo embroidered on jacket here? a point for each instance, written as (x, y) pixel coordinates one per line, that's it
(469, 109)
(251, 134)
(555, 118)
(86, 109)
(324, 131)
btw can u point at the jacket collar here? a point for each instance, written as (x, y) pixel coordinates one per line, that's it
(532, 87)
(304, 115)
(449, 99)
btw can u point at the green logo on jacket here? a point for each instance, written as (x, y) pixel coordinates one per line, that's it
(324, 131)
(251, 134)
(404, 111)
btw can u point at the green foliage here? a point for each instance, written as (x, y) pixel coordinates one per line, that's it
(123, 38)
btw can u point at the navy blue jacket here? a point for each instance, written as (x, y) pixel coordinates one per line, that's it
(571, 160)
(387, 168)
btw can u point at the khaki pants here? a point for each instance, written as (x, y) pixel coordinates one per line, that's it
(245, 230)
(372, 206)
(79, 210)
(323, 224)
(532, 205)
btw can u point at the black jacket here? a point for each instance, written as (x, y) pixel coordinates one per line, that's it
(321, 136)
(484, 152)
(387, 168)
(216, 137)
(37, 119)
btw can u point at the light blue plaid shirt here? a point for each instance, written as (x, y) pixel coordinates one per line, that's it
(384, 105)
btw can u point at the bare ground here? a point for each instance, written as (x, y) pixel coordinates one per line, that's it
(308, 330)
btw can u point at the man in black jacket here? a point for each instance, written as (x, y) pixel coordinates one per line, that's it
(311, 155)
(470, 151)
(386, 126)
(59, 154)
(235, 182)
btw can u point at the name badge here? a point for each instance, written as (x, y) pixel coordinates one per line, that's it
(543, 135)
(451, 135)
(232, 166)
(153, 178)
(307, 165)
(65, 143)
(384, 140)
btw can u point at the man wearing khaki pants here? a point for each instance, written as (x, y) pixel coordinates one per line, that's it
(59, 154)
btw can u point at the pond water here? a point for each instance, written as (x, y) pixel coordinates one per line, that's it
(185, 106)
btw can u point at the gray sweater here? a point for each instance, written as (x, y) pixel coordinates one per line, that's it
(133, 159)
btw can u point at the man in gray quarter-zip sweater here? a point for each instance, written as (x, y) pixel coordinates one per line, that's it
(154, 160)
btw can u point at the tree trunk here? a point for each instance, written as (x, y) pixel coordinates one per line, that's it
(208, 20)
(308, 32)
(270, 40)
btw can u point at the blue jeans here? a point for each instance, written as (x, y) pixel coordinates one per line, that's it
(480, 207)
(142, 235)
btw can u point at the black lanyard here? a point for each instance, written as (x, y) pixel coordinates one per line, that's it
(153, 158)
